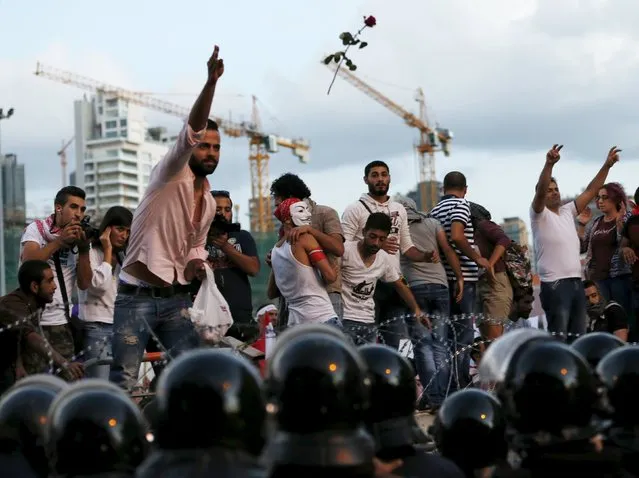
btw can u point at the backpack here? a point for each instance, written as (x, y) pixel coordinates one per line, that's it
(519, 270)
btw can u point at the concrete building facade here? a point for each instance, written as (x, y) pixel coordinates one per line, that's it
(12, 219)
(115, 152)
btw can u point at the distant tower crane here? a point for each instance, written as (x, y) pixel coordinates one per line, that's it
(260, 143)
(428, 137)
(63, 159)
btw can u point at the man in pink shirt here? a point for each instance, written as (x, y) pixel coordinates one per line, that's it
(166, 247)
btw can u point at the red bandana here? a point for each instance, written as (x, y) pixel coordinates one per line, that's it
(283, 211)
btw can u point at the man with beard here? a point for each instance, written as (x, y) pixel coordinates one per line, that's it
(557, 247)
(605, 316)
(20, 312)
(388, 303)
(166, 247)
(363, 264)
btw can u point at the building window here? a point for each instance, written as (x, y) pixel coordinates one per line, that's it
(111, 134)
(88, 166)
(111, 124)
(112, 153)
(123, 123)
(112, 102)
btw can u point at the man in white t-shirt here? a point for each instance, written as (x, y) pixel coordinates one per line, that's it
(363, 264)
(388, 305)
(557, 247)
(55, 239)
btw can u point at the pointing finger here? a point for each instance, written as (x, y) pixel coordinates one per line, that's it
(559, 148)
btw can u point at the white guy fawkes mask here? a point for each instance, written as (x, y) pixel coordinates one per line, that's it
(300, 214)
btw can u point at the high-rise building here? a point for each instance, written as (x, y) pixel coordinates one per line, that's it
(515, 228)
(426, 188)
(115, 152)
(12, 219)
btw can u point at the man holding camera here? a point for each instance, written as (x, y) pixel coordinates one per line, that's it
(56, 240)
(233, 257)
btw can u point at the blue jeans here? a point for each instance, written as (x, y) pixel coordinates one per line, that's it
(389, 314)
(461, 332)
(619, 289)
(97, 343)
(432, 355)
(338, 305)
(134, 316)
(564, 303)
(361, 333)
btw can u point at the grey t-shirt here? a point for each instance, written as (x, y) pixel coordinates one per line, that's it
(424, 235)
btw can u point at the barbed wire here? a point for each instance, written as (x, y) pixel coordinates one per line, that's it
(445, 337)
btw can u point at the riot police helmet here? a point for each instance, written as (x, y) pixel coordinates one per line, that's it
(391, 415)
(23, 413)
(94, 427)
(469, 429)
(318, 394)
(594, 346)
(211, 398)
(548, 373)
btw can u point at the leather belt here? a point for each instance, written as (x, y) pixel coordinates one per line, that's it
(154, 292)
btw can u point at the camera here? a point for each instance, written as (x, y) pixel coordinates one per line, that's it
(91, 233)
(221, 226)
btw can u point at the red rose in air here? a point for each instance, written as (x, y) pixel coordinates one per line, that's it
(348, 40)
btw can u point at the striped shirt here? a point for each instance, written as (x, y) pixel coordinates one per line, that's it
(448, 210)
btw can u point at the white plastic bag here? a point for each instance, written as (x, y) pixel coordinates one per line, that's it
(210, 312)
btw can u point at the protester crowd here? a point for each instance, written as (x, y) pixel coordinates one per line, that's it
(352, 290)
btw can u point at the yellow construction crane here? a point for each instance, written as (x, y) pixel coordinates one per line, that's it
(260, 143)
(63, 159)
(428, 138)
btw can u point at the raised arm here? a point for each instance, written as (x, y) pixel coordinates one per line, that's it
(598, 181)
(552, 156)
(178, 156)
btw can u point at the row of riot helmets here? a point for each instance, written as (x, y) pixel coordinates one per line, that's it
(327, 408)
(557, 410)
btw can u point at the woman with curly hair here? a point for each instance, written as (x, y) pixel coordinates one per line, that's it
(601, 241)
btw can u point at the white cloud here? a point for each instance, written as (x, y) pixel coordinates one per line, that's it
(509, 77)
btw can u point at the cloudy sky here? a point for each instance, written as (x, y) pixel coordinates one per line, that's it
(509, 77)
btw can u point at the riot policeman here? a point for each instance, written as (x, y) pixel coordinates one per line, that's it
(596, 345)
(23, 416)
(210, 418)
(95, 430)
(469, 429)
(318, 393)
(549, 395)
(619, 373)
(391, 416)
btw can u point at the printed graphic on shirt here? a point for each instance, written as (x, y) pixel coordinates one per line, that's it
(395, 219)
(359, 282)
(217, 257)
(364, 290)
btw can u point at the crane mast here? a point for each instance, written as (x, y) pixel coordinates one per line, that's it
(428, 137)
(260, 143)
